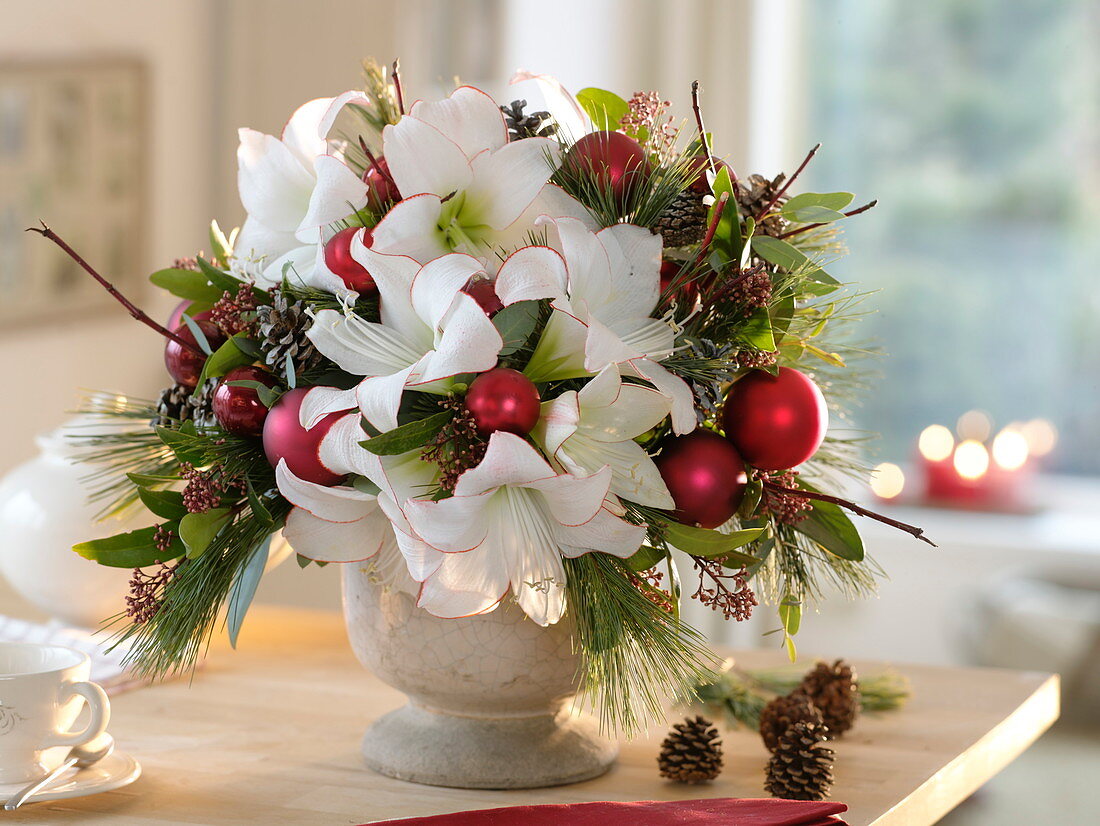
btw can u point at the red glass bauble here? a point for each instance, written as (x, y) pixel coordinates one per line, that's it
(338, 259)
(705, 475)
(184, 364)
(777, 422)
(484, 292)
(503, 399)
(613, 159)
(239, 409)
(176, 319)
(701, 167)
(381, 191)
(285, 438)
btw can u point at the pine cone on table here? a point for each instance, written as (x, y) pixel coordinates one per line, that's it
(684, 222)
(783, 712)
(281, 328)
(802, 766)
(835, 691)
(692, 752)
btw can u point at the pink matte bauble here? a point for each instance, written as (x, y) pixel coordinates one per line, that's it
(184, 364)
(338, 259)
(239, 409)
(381, 191)
(285, 438)
(484, 292)
(503, 399)
(611, 159)
(776, 422)
(705, 475)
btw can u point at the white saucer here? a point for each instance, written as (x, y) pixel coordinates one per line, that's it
(112, 772)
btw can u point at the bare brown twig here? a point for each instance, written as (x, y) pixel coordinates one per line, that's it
(859, 510)
(808, 227)
(132, 308)
(783, 189)
(695, 107)
(395, 76)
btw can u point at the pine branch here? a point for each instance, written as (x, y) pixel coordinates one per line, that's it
(133, 309)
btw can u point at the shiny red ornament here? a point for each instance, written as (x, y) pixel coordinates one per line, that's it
(701, 167)
(381, 190)
(184, 364)
(777, 422)
(705, 475)
(503, 399)
(484, 292)
(285, 438)
(612, 159)
(338, 259)
(239, 409)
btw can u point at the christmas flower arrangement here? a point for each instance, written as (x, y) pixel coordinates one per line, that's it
(497, 354)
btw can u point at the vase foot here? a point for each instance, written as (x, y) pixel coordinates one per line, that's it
(438, 749)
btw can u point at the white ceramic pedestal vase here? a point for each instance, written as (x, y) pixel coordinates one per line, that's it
(489, 696)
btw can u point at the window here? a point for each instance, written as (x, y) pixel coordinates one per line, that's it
(975, 123)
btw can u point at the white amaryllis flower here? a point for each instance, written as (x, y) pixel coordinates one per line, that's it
(464, 186)
(509, 523)
(595, 427)
(571, 119)
(604, 287)
(293, 189)
(430, 331)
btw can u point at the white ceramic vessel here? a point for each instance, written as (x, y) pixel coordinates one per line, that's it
(44, 511)
(489, 696)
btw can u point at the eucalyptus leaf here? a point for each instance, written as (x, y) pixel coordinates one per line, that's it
(835, 201)
(244, 589)
(791, 259)
(757, 331)
(187, 284)
(645, 558)
(814, 215)
(408, 436)
(829, 526)
(197, 530)
(134, 549)
(515, 323)
(197, 332)
(605, 108)
(259, 509)
(224, 359)
(790, 614)
(167, 504)
(707, 543)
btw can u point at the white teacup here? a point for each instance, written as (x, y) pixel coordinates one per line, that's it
(42, 690)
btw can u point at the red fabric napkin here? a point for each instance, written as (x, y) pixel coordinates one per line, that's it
(734, 812)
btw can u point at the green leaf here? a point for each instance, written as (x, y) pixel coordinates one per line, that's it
(197, 332)
(782, 313)
(515, 323)
(786, 256)
(790, 614)
(834, 201)
(197, 530)
(707, 543)
(605, 108)
(830, 527)
(754, 489)
(259, 510)
(303, 561)
(645, 558)
(757, 331)
(182, 444)
(244, 589)
(408, 436)
(224, 359)
(267, 395)
(167, 504)
(727, 241)
(187, 284)
(365, 485)
(134, 549)
(814, 215)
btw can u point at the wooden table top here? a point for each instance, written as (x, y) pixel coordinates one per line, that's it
(270, 734)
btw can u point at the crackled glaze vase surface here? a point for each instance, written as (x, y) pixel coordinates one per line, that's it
(489, 696)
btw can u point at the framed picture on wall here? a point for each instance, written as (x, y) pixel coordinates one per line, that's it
(72, 152)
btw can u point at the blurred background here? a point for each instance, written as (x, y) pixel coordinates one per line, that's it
(974, 122)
